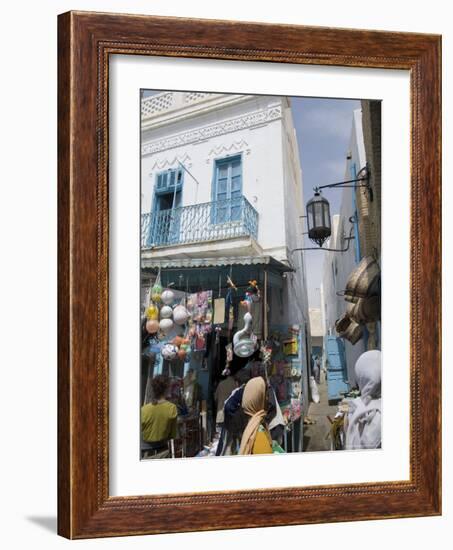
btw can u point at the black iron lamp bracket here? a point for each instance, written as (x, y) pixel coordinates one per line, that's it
(360, 181)
(350, 238)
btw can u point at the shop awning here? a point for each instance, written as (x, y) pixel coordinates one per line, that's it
(190, 263)
(191, 274)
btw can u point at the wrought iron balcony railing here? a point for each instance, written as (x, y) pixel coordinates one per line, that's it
(208, 221)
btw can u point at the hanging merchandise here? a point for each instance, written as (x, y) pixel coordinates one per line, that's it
(158, 365)
(199, 305)
(185, 349)
(166, 312)
(156, 290)
(178, 341)
(364, 280)
(200, 340)
(256, 311)
(314, 390)
(252, 295)
(219, 306)
(279, 382)
(229, 301)
(152, 312)
(244, 341)
(296, 389)
(266, 353)
(229, 357)
(190, 388)
(295, 409)
(166, 325)
(152, 326)
(348, 328)
(168, 297)
(290, 346)
(229, 308)
(180, 315)
(169, 351)
(219, 311)
(366, 310)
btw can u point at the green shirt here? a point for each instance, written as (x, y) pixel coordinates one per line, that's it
(159, 421)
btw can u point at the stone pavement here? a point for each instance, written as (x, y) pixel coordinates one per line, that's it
(315, 434)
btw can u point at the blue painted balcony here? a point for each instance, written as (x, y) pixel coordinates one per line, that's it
(198, 223)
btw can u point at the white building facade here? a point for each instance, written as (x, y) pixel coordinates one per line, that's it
(221, 185)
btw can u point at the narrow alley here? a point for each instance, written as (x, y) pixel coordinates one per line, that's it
(316, 435)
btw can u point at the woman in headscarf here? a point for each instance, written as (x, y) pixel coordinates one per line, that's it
(364, 417)
(256, 438)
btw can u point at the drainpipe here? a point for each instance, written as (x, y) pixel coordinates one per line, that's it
(353, 171)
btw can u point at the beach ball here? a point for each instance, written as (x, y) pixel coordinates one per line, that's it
(152, 312)
(180, 315)
(169, 351)
(166, 325)
(166, 312)
(167, 297)
(152, 326)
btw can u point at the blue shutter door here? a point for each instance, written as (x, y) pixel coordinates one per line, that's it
(222, 211)
(235, 190)
(336, 368)
(228, 190)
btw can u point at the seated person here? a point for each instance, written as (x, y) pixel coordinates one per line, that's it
(159, 418)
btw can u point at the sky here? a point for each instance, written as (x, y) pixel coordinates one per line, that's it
(323, 129)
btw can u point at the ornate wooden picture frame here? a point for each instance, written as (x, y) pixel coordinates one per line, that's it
(85, 507)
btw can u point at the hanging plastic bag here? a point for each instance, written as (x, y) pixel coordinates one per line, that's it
(314, 390)
(156, 290)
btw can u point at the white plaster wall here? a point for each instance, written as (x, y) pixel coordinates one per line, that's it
(262, 165)
(344, 262)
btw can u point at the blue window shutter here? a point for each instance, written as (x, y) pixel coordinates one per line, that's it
(227, 194)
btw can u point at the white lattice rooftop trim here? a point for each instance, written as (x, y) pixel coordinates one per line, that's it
(169, 101)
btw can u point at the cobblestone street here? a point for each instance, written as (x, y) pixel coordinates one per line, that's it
(316, 436)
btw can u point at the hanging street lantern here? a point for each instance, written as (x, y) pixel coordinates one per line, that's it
(318, 219)
(318, 212)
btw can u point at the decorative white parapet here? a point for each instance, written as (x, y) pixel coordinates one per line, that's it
(155, 105)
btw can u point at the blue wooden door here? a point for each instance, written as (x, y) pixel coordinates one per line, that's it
(228, 190)
(336, 368)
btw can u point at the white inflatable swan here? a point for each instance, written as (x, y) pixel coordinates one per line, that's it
(244, 341)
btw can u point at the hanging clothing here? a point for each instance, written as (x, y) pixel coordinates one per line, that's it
(223, 391)
(363, 430)
(235, 421)
(277, 422)
(199, 305)
(254, 406)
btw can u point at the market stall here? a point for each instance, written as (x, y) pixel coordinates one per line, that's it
(202, 323)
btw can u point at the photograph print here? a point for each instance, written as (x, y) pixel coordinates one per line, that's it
(260, 319)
